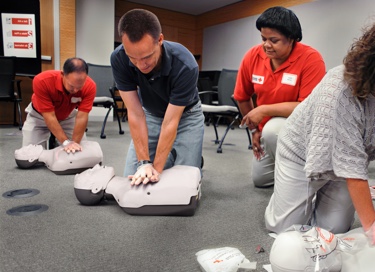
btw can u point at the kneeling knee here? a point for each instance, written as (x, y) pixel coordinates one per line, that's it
(262, 182)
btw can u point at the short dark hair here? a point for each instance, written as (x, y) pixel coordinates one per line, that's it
(75, 65)
(283, 20)
(138, 22)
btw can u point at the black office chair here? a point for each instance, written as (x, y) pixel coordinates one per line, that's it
(8, 92)
(103, 77)
(206, 93)
(226, 106)
(118, 100)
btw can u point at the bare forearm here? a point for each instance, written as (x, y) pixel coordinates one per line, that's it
(139, 133)
(166, 140)
(137, 124)
(167, 135)
(361, 197)
(80, 126)
(54, 126)
(283, 109)
(253, 116)
(245, 106)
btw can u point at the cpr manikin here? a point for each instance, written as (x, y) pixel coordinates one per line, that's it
(305, 248)
(176, 193)
(59, 161)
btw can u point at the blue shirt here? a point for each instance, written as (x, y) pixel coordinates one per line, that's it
(174, 83)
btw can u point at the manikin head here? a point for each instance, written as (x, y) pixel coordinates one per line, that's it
(306, 250)
(28, 156)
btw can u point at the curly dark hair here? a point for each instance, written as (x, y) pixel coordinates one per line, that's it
(138, 22)
(360, 64)
(283, 20)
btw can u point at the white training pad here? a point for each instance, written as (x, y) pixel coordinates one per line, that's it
(319, 250)
(177, 185)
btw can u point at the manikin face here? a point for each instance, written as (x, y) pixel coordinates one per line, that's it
(74, 82)
(29, 153)
(276, 45)
(145, 54)
(94, 179)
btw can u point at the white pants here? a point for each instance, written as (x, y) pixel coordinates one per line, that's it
(35, 130)
(263, 170)
(297, 200)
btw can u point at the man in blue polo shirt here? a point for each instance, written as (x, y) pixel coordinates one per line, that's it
(157, 80)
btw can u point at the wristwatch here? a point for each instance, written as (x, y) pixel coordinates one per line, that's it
(66, 142)
(143, 162)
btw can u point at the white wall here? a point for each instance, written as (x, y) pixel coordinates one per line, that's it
(95, 24)
(329, 26)
(56, 35)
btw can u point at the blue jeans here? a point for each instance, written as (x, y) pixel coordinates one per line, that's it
(188, 142)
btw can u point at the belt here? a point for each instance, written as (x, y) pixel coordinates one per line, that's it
(190, 106)
(34, 108)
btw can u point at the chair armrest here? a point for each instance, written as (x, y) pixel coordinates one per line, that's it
(115, 97)
(112, 91)
(207, 96)
(236, 104)
(207, 92)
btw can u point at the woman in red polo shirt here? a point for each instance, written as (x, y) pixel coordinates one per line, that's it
(281, 72)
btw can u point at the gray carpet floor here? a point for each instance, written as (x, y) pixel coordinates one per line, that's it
(72, 237)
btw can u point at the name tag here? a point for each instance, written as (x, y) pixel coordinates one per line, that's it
(289, 79)
(257, 79)
(76, 99)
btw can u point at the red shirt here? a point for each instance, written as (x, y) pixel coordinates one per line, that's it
(292, 81)
(49, 95)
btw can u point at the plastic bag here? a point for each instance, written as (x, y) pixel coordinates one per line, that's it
(224, 259)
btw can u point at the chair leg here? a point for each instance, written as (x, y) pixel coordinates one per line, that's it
(20, 116)
(120, 131)
(123, 118)
(216, 134)
(218, 121)
(249, 136)
(16, 106)
(102, 135)
(14, 113)
(209, 119)
(123, 113)
(219, 149)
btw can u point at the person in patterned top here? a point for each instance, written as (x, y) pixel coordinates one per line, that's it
(324, 150)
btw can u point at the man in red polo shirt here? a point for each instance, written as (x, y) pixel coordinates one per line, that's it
(60, 105)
